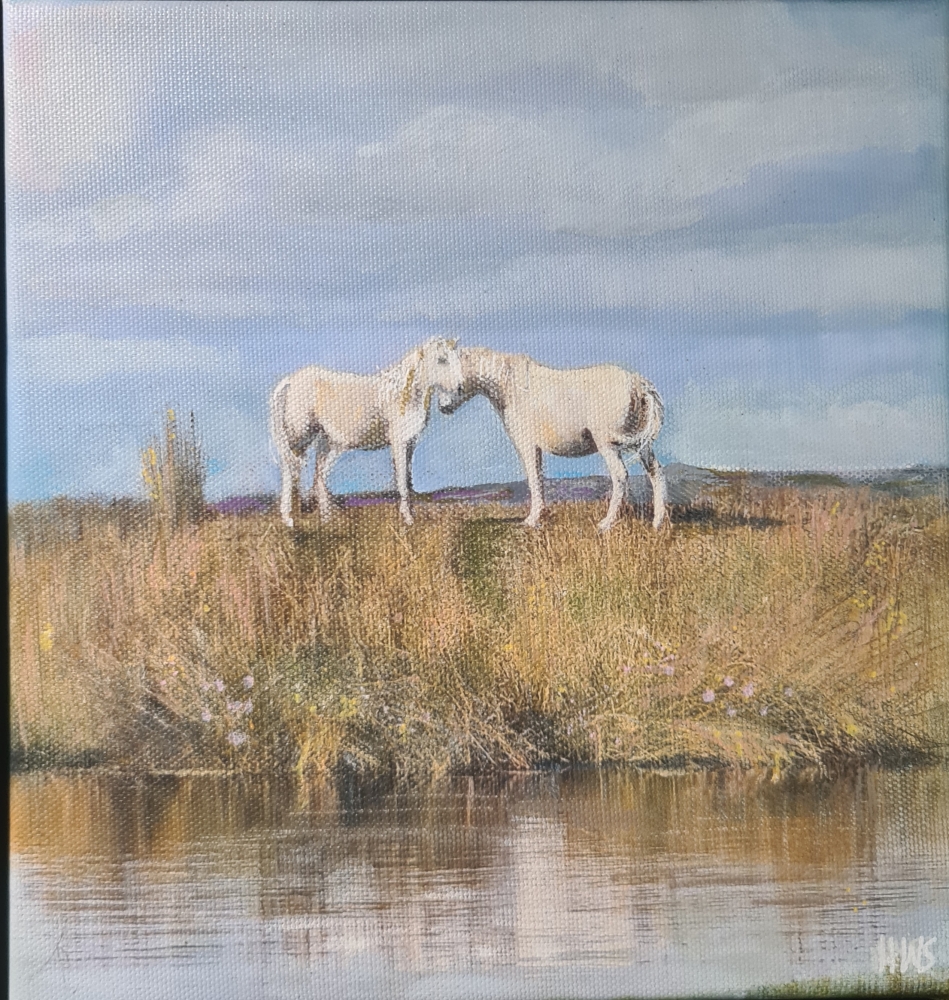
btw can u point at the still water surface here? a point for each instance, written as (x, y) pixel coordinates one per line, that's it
(581, 884)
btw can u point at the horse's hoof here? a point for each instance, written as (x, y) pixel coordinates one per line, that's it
(531, 522)
(604, 526)
(288, 521)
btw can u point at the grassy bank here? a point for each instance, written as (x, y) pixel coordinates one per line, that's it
(772, 627)
(887, 985)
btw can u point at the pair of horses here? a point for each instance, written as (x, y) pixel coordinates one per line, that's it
(571, 412)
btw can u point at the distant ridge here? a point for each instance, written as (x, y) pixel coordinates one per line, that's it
(685, 483)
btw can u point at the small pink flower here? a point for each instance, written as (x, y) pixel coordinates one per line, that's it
(205, 716)
(219, 684)
(728, 682)
(626, 668)
(235, 707)
(248, 707)
(616, 742)
(763, 710)
(708, 695)
(248, 682)
(569, 730)
(668, 670)
(163, 683)
(205, 686)
(236, 739)
(731, 711)
(426, 717)
(789, 692)
(748, 689)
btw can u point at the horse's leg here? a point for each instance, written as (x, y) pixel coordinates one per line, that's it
(533, 460)
(620, 476)
(291, 462)
(658, 480)
(324, 462)
(402, 460)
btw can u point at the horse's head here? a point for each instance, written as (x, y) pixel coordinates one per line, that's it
(483, 373)
(440, 366)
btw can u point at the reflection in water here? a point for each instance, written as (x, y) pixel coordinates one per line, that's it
(587, 883)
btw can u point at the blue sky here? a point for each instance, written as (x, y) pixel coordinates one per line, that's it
(744, 201)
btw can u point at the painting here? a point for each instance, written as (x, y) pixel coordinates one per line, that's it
(478, 499)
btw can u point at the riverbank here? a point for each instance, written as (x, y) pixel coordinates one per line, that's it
(771, 627)
(886, 985)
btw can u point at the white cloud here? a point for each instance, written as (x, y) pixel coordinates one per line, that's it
(80, 357)
(221, 170)
(824, 278)
(115, 218)
(76, 81)
(736, 86)
(716, 145)
(206, 282)
(725, 88)
(731, 426)
(457, 161)
(723, 51)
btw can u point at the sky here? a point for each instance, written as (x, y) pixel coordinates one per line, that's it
(744, 201)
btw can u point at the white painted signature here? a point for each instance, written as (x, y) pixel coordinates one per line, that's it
(906, 955)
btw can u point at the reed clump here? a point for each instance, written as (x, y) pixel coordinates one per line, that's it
(174, 472)
(770, 627)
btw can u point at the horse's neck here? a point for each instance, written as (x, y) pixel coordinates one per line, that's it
(494, 375)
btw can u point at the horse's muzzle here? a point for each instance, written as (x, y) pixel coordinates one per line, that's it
(448, 402)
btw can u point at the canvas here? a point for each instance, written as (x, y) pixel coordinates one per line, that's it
(477, 499)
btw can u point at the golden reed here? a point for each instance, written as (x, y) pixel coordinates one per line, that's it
(772, 628)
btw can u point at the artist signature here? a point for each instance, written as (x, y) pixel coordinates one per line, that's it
(905, 955)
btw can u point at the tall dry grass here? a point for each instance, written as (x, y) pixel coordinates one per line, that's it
(769, 628)
(174, 472)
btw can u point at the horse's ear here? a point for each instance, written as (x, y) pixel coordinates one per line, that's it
(453, 343)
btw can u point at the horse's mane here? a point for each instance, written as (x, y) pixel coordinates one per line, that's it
(488, 368)
(395, 382)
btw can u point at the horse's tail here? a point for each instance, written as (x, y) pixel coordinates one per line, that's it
(651, 410)
(651, 413)
(279, 437)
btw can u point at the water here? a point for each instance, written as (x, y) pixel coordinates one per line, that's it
(582, 884)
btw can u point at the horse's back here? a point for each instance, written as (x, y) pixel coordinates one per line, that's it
(572, 407)
(582, 393)
(341, 405)
(315, 374)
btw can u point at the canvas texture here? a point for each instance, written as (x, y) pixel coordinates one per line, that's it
(477, 499)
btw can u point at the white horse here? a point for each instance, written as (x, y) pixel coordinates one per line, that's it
(570, 412)
(339, 412)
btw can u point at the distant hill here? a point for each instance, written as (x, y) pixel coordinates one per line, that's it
(685, 483)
